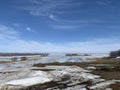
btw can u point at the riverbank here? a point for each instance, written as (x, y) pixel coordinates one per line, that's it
(95, 74)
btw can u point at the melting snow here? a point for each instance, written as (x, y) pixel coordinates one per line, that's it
(29, 81)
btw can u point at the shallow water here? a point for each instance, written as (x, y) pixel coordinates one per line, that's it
(5, 58)
(49, 59)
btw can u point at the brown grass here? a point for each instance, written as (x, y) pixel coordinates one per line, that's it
(3, 62)
(115, 86)
(83, 64)
(106, 74)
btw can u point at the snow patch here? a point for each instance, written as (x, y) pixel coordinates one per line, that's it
(29, 81)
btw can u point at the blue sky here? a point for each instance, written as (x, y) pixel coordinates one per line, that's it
(59, 25)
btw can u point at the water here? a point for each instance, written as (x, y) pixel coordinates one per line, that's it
(50, 59)
(5, 58)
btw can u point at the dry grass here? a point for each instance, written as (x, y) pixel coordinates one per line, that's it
(84, 64)
(106, 73)
(115, 86)
(3, 62)
(80, 64)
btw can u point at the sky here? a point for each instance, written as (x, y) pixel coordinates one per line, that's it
(82, 26)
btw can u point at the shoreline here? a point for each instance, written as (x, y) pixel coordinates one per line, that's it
(92, 68)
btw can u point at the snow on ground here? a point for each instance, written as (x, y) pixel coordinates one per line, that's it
(23, 74)
(25, 77)
(29, 81)
(102, 85)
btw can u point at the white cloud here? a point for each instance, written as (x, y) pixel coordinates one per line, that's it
(98, 46)
(53, 17)
(28, 29)
(11, 42)
(8, 33)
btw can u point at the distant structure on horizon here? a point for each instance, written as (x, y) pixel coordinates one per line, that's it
(78, 54)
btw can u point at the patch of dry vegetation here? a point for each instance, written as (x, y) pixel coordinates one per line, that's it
(109, 69)
(3, 62)
(115, 86)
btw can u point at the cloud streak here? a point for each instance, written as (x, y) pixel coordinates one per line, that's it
(68, 27)
(8, 33)
(55, 12)
(46, 7)
(104, 3)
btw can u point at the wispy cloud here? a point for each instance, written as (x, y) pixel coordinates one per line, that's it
(53, 17)
(8, 32)
(75, 25)
(55, 10)
(17, 25)
(115, 27)
(68, 27)
(47, 8)
(22, 27)
(104, 3)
